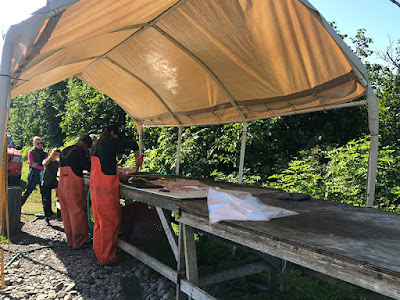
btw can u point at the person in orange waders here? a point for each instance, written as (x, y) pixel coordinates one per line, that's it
(71, 191)
(104, 194)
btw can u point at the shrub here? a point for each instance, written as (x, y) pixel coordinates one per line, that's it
(340, 174)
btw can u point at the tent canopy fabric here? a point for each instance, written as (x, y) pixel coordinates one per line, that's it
(195, 62)
(190, 62)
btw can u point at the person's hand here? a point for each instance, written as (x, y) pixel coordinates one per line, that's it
(34, 165)
(139, 161)
(130, 171)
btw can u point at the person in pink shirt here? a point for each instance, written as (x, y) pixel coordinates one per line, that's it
(35, 175)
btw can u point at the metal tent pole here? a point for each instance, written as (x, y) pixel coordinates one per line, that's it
(373, 120)
(178, 150)
(242, 152)
(140, 139)
(5, 68)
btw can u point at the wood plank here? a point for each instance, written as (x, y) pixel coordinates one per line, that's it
(190, 254)
(168, 231)
(141, 195)
(152, 199)
(180, 267)
(382, 281)
(272, 260)
(153, 263)
(320, 276)
(284, 285)
(194, 292)
(234, 272)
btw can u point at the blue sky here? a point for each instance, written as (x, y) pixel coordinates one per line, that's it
(381, 18)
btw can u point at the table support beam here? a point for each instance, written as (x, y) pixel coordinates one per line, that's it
(234, 272)
(169, 232)
(189, 245)
(153, 263)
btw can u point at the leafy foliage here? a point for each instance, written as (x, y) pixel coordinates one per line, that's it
(215, 151)
(38, 113)
(387, 89)
(88, 110)
(340, 174)
(362, 44)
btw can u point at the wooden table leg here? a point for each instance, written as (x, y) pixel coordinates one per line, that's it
(180, 266)
(189, 245)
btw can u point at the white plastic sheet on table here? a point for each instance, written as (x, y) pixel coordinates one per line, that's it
(241, 207)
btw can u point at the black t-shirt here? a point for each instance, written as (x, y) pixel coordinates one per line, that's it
(76, 158)
(107, 149)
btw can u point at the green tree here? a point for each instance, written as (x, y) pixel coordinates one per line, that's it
(214, 151)
(38, 113)
(340, 174)
(88, 111)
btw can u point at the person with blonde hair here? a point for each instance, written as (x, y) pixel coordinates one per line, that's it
(35, 175)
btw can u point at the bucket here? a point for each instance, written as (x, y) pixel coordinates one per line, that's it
(14, 209)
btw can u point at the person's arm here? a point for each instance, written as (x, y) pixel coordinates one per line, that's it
(138, 159)
(131, 144)
(32, 163)
(138, 156)
(47, 160)
(40, 167)
(85, 161)
(78, 161)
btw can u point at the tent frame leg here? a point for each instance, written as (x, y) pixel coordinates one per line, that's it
(242, 152)
(178, 150)
(373, 121)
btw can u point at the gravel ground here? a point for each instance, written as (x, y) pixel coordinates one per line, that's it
(59, 272)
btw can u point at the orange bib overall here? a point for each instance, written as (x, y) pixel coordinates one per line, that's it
(71, 192)
(104, 193)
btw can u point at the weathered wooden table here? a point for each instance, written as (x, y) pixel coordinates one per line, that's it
(354, 244)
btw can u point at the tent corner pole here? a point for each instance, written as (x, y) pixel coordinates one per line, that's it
(242, 152)
(5, 80)
(373, 121)
(140, 139)
(178, 150)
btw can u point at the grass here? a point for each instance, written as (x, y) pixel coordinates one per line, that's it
(211, 252)
(33, 206)
(4, 240)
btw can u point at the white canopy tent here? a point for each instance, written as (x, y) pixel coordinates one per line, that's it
(190, 62)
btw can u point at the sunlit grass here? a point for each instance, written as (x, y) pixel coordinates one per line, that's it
(3, 240)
